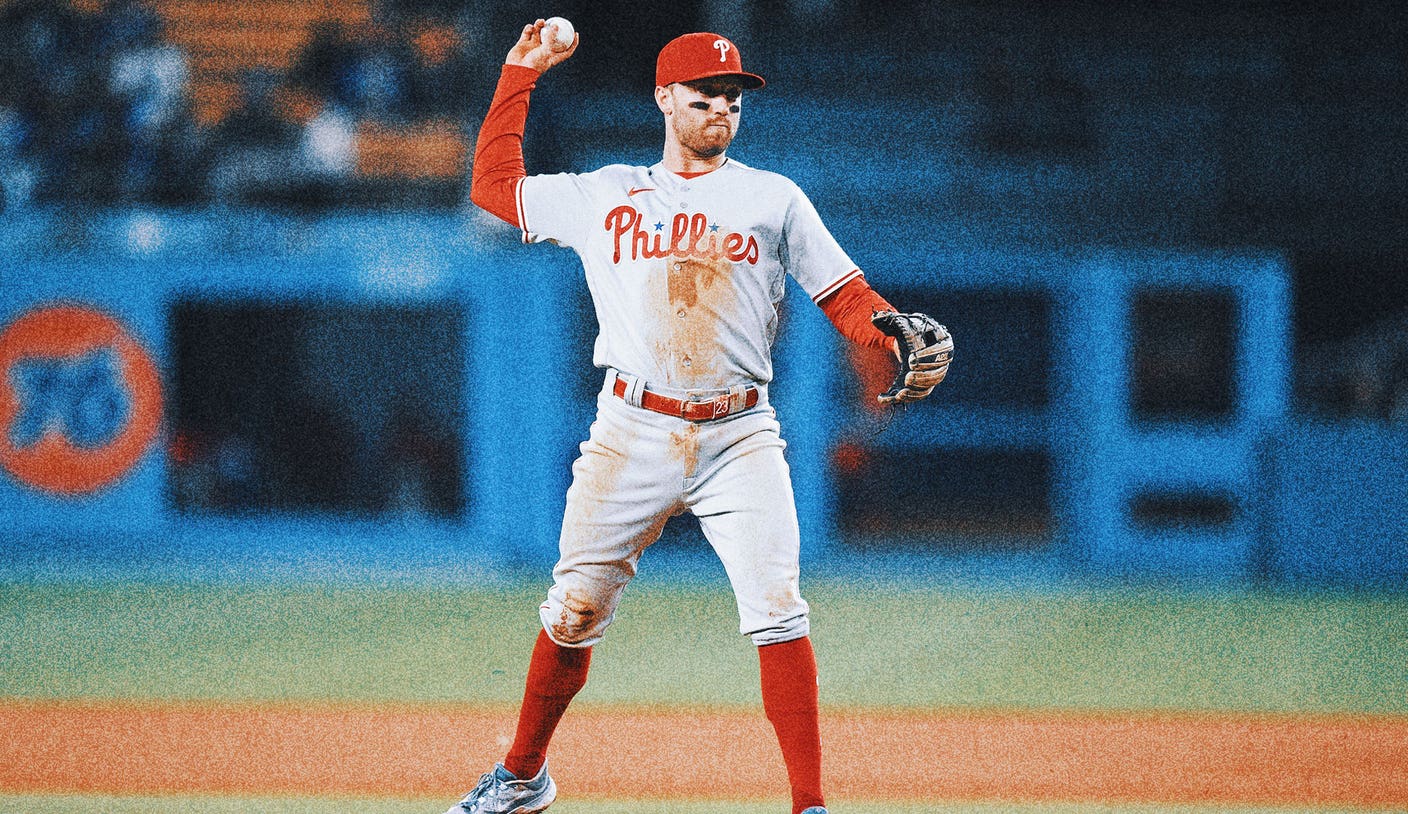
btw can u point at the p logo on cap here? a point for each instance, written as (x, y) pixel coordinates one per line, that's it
(702, 56)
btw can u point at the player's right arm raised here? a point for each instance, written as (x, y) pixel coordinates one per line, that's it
(498, 153)
(532, 51)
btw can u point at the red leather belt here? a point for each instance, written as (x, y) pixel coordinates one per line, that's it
(707, 410)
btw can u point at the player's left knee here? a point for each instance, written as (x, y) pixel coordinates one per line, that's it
(784, 630)
(574, 621)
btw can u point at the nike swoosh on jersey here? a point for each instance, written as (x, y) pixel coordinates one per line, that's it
(636, 190)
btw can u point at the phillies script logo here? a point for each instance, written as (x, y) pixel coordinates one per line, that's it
(80, 400)
(690, 236)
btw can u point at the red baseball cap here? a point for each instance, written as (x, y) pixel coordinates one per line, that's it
(701, 56)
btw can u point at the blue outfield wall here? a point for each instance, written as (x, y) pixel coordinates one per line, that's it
(523, 415)
(1338, 506)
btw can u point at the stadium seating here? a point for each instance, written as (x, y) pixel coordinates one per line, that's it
(224, 39)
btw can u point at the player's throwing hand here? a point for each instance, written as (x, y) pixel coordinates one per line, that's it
(532, 50)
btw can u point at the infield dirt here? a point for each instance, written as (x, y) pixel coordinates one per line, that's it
(428, 750)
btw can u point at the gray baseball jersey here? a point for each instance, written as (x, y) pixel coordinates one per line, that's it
(686, 273)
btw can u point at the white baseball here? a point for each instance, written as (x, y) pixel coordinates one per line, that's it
(558, 33)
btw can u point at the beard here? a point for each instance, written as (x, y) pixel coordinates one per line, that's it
(707, 142)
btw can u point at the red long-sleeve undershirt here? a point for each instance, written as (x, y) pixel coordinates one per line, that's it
(499, 167)
(849, 309)
(498, 154)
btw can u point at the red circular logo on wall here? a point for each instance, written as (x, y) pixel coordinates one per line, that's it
(80, 400)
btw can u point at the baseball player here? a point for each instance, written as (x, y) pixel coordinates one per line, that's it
(686, 261)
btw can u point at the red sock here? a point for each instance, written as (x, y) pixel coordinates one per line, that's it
(555, 675)
(790, 702)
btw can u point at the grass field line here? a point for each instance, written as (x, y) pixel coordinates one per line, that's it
(425, 751)
(597, 708)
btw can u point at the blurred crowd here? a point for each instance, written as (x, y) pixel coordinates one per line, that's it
(97, 107)
(1364, 376)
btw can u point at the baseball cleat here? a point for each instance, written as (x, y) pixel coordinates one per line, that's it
(815, 810)
(500, 792)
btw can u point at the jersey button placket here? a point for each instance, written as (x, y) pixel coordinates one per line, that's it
(680, 313)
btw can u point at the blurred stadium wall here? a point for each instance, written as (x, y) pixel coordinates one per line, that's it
(1164, 241)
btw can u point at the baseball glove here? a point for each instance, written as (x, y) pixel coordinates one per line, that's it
(925, 349)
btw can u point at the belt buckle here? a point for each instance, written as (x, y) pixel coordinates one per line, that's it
(721, 405)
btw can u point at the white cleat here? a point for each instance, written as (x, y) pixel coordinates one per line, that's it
(500, 792)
